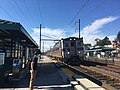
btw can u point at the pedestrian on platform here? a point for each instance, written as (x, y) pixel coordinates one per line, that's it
(33, 69)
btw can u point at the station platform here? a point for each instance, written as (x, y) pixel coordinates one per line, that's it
(48, 78)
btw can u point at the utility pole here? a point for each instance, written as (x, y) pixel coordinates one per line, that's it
(79, 28)
(40, 40)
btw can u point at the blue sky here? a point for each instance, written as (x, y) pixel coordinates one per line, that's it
(99, 18)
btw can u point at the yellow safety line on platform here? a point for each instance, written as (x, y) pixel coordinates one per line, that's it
(20, 89)
(54, 61)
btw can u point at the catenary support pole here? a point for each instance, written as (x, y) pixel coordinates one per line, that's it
(40, 40)
(79, 28)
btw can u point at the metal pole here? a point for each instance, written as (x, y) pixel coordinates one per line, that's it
(79, 28)
(40, 40)
(43, 47)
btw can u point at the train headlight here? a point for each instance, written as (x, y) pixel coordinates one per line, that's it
(74, 39)
(70, 39)
(68, 52)
(79, 52)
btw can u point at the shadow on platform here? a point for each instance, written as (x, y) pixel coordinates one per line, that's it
(47, 77)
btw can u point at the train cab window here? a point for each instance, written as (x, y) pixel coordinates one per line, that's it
(79, 49)
(72, 44)
(79, 43)
(66, 45)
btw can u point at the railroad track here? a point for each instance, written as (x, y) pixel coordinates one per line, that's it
(110, 80)
(72, 73)
(107, 75)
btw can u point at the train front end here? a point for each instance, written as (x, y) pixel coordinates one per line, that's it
(72, 50)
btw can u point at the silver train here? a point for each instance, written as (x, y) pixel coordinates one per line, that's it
(69, 50)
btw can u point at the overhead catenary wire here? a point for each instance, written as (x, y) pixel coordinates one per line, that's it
(20, 17)
(48, 36)
(74, 17)
(94, 9)
(33, 3)
(100, 4)
(14, 9)
(40, 12)
(28, 9)
(87, 15)
(21, 11)
(112, 12)
(6, 13)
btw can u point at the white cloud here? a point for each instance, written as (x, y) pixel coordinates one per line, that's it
(91, 32)
(112, 37)
(97, 24)
(47, 33)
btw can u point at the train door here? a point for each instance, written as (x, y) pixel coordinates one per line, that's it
(80, 49)
(65, 49)
(74, 57)
(73, 47)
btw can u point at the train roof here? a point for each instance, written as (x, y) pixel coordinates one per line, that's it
(68, 39)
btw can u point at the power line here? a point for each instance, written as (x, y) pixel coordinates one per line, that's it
(40, 12)
(14, 8)
(20, 17)
(47, 36)
(33, 3)
(95, 8)
(7, 13)
(20, 10)
(28, 9)
(75, 17)
(113, 11)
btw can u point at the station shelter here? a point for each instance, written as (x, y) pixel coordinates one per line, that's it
(16, 46)
(100, 51)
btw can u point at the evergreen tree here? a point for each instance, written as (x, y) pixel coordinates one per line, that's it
(103, 42)
(106, 41)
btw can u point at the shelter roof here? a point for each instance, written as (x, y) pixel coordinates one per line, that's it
(9, 29)
(100, 48)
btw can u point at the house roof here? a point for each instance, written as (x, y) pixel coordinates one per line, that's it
(100, 48)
